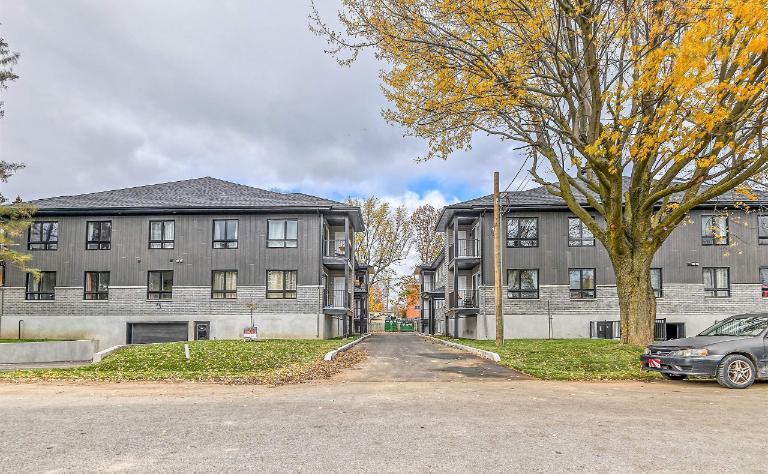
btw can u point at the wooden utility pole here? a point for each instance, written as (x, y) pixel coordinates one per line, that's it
(497, 259)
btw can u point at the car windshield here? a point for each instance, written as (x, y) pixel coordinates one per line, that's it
(749, 326)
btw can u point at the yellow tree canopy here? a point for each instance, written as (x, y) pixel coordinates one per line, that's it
(670, 93)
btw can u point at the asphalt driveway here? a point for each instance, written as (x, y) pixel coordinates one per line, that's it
(413, 406)
(408, 357)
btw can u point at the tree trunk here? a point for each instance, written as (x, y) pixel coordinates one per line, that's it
(637, 302)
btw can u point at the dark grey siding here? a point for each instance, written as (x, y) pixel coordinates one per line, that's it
(130, 258)
(553, 257)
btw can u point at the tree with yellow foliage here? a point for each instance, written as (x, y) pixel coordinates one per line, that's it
(634, 111)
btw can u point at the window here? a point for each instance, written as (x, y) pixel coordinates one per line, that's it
(764, 280)
(96, 286)
(98, 235)
(281, 284)
(43, 236)
(714, 230)
(656, 282)
(762, 230)
(42, 288)
(523, 232)
(579, 235)
(717, 282)
(161, 234)
(282, 233)
(523, 284)
(159, 284)
(224, 284)
(225, 234)
(582, 282)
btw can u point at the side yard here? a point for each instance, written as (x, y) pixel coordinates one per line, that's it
(223, 361)
(568, 359)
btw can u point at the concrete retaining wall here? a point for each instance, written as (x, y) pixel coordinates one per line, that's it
(50, 351)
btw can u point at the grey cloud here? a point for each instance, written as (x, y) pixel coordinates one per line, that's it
(114, 94)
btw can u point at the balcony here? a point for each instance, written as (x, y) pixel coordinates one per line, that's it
(336, 253)
(432, 287)
(335, 301)
(465, 253)
(361, 285)
(465, 301)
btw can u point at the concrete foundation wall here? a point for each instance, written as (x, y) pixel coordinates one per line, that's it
(49, 351)
(111, 330)
(69, 316)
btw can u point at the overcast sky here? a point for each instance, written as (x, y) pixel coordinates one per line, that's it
(114, 94)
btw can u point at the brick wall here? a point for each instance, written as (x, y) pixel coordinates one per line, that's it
(677, 298)
(187, 300)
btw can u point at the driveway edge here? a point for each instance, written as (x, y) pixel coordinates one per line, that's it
(332, 354)
(99, 356)
(473, 350)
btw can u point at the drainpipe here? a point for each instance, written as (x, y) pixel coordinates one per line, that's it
(2, 308)
(319, 274)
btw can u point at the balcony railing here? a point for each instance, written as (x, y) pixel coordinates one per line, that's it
(336, 248)
(464, 248)
(464, 299)
(336, 299)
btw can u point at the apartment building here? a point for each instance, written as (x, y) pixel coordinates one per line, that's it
(559, 282)
(187, 260)
(432, 279)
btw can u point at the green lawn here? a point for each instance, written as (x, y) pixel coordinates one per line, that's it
(568, 359)
(268, 361)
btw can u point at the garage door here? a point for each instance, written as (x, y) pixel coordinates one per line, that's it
(147, 333)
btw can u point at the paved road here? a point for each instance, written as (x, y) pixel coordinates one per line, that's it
(453, 424)
(410, 358)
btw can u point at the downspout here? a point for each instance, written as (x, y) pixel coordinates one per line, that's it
(319, 274)
(2, 308)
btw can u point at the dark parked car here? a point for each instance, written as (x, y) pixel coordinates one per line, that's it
(733, 351)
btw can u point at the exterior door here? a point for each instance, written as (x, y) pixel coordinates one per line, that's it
(475, 289)
(339, 291)
(202, 330)
(339, 245)
(461, 290)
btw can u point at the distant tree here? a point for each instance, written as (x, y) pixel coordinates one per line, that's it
(428, 242)
(15, 217)
(408, 294)
(8, 59)
(376, 302)
(387, 238)
(633, 112)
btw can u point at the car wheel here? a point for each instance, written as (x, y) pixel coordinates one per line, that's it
(736, 371)
(674, 376)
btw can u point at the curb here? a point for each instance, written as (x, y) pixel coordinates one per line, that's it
(332, 355)
(99, 356)
(473, 350)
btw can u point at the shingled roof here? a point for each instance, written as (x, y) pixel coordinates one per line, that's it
(192, 194)
(540, 199)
